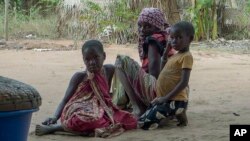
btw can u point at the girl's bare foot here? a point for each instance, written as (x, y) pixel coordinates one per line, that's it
(44, 129)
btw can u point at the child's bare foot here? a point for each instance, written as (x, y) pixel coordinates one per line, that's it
(44, 129)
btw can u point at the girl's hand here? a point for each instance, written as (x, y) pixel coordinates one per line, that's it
(49, 121)
(158, 101)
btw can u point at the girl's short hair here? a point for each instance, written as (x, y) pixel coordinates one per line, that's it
(186, 27)
(93, 43)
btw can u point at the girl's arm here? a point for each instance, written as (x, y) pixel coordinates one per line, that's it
(75, 80)
(178, 88)
(154, 59)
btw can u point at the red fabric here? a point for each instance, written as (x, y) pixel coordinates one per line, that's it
(159, 37)
(144, 64)
(83, 115)
(120, 116)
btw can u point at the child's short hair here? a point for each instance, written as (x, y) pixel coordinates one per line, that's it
(93, 43)
(186, 27)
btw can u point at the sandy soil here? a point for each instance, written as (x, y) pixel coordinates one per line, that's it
(219, 91)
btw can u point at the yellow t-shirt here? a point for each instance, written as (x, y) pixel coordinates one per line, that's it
(171, 75)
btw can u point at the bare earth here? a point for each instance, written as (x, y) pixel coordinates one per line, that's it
(219, 91)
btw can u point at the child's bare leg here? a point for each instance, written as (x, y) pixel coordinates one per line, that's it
(182, 118)
(47, 129)
(138, 107)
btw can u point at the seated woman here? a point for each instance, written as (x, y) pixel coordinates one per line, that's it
(86, 108)
(153, 38)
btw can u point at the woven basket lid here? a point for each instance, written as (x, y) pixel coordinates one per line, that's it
(15, 95)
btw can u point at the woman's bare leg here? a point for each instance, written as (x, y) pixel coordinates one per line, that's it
(138, 107)
(47, 129)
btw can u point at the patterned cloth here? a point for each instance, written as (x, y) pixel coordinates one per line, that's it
(153, 16)
(142, 82)
(154, 114)
(119, 96)
(90, 110)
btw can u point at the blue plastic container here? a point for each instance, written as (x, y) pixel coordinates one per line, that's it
(14, 125)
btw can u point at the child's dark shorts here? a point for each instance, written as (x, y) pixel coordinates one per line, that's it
(154, 114)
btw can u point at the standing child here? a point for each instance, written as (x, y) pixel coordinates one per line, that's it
(166, 96)
(86, 107)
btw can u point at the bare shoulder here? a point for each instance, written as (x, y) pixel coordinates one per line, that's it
(110, 69)
(109, 66)
(78, 77)
(75, 80)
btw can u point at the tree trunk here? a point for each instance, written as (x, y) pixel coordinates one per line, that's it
(214, 18)
(6, 20)
(220, 16)
(173, 15)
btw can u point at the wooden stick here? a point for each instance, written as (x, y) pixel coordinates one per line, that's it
(6, 19)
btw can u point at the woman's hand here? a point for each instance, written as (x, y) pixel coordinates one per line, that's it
(166, 50)
(49, 121)
(158, 101)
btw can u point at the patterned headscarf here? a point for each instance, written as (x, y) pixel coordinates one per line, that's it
(153, 16)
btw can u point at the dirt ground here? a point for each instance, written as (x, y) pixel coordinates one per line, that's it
(219, 89)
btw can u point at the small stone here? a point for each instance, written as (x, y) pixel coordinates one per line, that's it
(2, 42)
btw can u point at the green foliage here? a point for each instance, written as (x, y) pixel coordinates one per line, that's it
(120, 16)
(21, 24)
(247, 13)
(97, 18)
(90, 19)
(90, 16)
(93, 6)
(203, 17)
(248, 6)
(47, 6)
(50, 2)
(13, 3)
(25, 5)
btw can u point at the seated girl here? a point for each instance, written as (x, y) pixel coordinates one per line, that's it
(86, 108)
